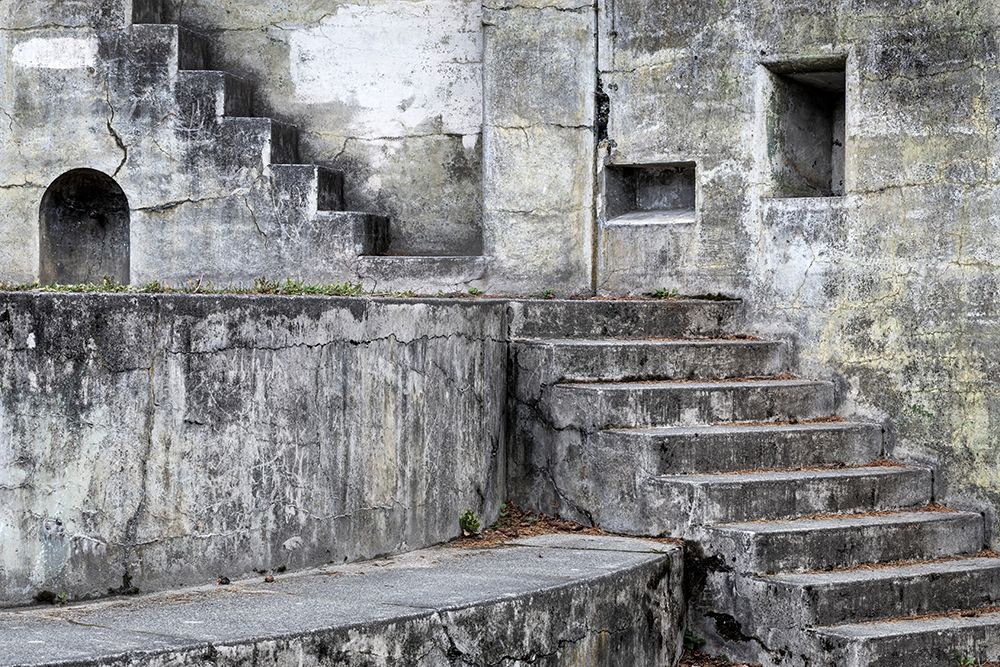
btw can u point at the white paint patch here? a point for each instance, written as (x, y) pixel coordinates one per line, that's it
(402, 67)
(31, 341)
(56, 53)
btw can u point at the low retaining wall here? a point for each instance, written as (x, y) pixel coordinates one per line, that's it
(154, 441)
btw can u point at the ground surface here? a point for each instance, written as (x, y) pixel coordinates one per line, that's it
(405, 592)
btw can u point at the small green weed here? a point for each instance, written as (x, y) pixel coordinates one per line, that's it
(664, 293)
(475, 291)
(470, 523)
(692, 642)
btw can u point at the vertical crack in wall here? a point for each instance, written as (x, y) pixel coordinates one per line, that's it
(114, 133)
(130, 537)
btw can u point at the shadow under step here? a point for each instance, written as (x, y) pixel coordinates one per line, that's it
(207, 95)
(311, 187)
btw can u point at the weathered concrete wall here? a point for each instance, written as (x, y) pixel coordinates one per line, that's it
(390, 92)
(167, 440)
(892, 286)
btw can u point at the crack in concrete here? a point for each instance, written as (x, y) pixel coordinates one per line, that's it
(114, 133)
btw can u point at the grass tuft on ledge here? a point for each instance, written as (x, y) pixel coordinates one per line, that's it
(261, 286)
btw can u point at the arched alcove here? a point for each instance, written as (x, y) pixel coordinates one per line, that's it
(84, 234)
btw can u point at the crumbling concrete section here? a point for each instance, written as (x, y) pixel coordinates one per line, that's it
(555, 600)
(156, 441)
(808, 544)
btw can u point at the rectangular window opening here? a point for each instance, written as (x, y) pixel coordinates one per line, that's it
(806, 129)
(650, 193)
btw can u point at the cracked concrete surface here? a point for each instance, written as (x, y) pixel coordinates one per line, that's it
(197, 436)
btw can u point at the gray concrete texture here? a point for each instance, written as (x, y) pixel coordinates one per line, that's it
(155, 441)
(550, 600)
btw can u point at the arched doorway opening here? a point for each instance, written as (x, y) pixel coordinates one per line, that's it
(84, 230)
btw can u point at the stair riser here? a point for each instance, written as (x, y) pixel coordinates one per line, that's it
(307, 187)
(355, 233)
(868, 600)
(593, 409)
(883, 542)
(939, 649)
(736, 450)
(545, 364)
(782, 499)
(204, 97)
(623, 319)
(252, 143)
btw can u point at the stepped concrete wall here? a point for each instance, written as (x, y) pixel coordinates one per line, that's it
(889, 286)
(154, 441)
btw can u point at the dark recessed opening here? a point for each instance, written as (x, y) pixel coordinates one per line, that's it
(84, 234)
(806, 132)
(655, 192)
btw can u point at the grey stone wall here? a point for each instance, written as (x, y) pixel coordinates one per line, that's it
(167, 440)
(891, 287)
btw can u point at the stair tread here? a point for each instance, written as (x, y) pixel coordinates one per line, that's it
(713, 429)
(888, 571)
(647, 342)
(805, 525)
(699, 384)
(751, 477)
(901, 627)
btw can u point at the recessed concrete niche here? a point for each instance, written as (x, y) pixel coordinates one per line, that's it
(650, 193)
(84, 235)
(805, 121)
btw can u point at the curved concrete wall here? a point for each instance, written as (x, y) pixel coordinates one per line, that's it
(154, 441)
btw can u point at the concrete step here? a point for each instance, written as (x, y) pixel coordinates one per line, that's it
(207, 95)
(261, 141)
(356, 233)
(628, 319)
(575, 600)
(608, 359)
(309, 186)
(601, 405)
(942, 641)
(845, 541)
(863, 594)
(726, 448)
(427, 274)
(750, 496)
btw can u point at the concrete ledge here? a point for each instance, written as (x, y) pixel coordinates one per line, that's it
(554, 599)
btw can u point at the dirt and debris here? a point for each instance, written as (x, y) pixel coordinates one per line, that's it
(832, 516)
(514, 523)
(697, 659)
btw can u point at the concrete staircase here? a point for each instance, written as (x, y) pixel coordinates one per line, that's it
(809, 546)
(241, 203)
